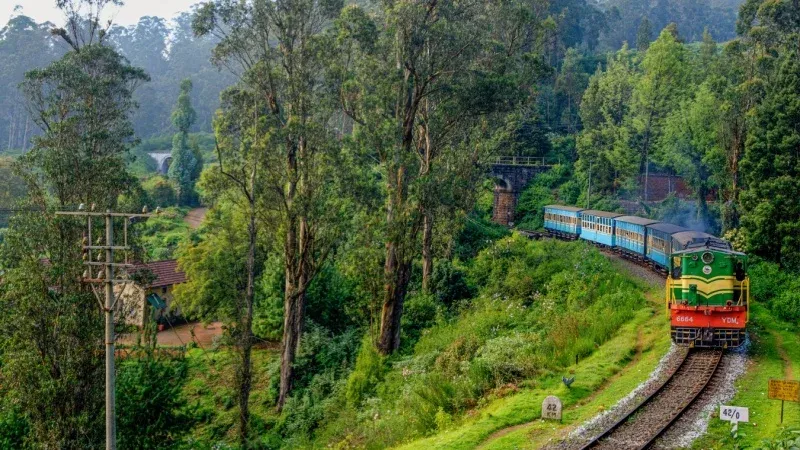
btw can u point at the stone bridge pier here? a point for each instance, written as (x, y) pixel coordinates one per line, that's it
(512, 174)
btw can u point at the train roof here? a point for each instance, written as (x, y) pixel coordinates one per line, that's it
(565, 208)
(666, 228)
(595, 212)
(636, 220)
(698, 239)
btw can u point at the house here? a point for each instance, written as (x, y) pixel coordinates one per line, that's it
(149, 293)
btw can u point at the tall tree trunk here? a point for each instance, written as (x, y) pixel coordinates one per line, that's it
(294, 304)
(397, 267)
(427, 252)
(397, 273)
(246, 333)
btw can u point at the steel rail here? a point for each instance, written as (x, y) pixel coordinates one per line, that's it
(610, 430)
(685, 407)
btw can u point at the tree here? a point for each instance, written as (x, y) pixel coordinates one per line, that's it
(644, 36)
(690, 142)
(570, 84)
(50, 325)
(24, 45)
(604, 144)
(413, 83)
(771, 170)
(280, 112)
(82, 103)
(657, 92)
(186, 166)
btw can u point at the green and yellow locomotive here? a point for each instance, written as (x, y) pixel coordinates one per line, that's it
(707, 292)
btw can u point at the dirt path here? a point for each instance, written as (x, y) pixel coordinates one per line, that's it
(787, 361)
(195, 217)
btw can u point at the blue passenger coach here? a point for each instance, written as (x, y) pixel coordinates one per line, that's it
(563, 219)
(598, 226)
(631, 234)
(659, 242)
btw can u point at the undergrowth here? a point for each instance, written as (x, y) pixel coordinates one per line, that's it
(540, 304)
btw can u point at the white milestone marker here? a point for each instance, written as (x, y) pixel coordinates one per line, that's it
(734, 413)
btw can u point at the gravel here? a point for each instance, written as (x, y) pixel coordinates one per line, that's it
(720, 391)
(580, 436)
(637, 270)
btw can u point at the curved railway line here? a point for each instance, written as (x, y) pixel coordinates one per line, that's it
(640, 428)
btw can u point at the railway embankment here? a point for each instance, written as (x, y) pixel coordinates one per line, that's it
(741, 379)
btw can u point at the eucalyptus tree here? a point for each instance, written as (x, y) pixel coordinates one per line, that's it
(277, 120)
(82, 103)
(187, 163)
(416, 78)
(664, 80)
(50, 327)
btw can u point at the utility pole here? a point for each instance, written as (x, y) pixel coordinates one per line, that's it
(589, 188)
(106, 277)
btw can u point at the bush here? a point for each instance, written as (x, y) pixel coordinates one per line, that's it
(449, 282)
(367, 373)
(151, 411)
(160, 191)
(508, 358)
(541, 192)
(419, 313)
(777, 289)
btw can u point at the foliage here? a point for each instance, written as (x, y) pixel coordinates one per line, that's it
(159, 192)
(152, 412)
(366, 374)
(52, 334)
(14, 427)
(771, 168)
(777, 289)
(547, 188)
(82, 103)
(161, 236)
(539, 305)
(187, 163)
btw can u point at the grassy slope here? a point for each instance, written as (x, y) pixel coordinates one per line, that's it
(614, 370)
(209, 389)
(766, 362)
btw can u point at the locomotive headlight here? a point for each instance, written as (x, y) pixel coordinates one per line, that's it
(708, 257)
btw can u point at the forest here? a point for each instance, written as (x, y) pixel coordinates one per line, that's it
(340, 154)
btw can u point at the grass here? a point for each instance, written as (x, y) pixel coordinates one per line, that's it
(601, 379)
(210, 392)
(769, 337)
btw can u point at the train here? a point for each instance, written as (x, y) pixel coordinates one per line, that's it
(707, 293)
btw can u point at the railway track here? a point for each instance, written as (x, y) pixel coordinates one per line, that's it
(640, 428)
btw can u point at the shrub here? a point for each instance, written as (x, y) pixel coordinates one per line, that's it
(419, 313)
(450, 282)
(508, 358)
(160, 191)
(152, 411)
(367, 373)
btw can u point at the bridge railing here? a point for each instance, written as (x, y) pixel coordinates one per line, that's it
(525, 161)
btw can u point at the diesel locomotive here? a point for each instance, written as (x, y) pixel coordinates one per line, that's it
(707, 287)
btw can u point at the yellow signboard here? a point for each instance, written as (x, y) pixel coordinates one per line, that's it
(784, 390)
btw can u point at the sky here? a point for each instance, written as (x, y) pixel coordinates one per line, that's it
(128, 14)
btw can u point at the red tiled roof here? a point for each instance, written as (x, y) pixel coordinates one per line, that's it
(166, 272)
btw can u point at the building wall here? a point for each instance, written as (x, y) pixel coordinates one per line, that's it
(133, 307)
